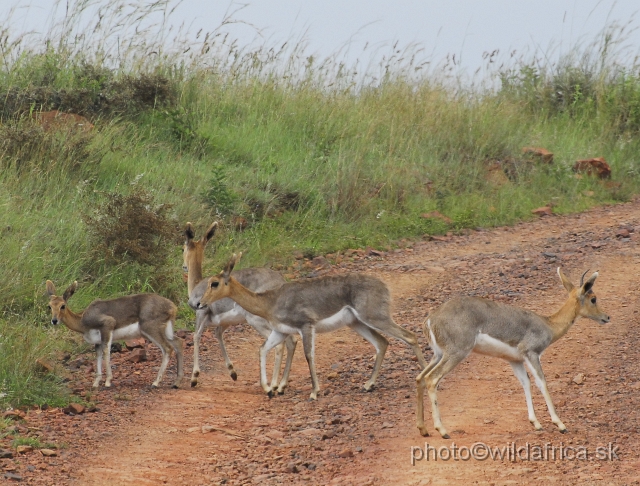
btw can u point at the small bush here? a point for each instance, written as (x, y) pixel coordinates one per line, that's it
(218, 196)
(131, 228)
(25, 146)
(94, 94)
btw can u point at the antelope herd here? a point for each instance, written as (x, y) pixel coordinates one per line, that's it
(279, 310)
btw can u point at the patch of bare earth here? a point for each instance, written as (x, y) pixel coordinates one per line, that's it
(348, 436)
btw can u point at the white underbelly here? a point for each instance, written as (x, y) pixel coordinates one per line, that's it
(284, 328)
(490, 346)
(230, 318)
(94, 336)
(336, 321)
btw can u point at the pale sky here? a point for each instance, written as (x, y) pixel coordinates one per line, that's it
(466, 28)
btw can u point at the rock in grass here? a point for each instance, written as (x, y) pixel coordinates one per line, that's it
(74, 408)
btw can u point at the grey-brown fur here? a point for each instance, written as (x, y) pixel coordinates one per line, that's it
(470, 324)
(225, 313)
(105, 320)
(358, 301)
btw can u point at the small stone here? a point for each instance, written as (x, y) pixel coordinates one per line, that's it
(74, 408)
(596, 166)
(48, 452)
(275, 434)
(44, 366)
(578, 379)
(329, 434)
(132, 344)
(22, 449)
(208, 428)
(345, 453)
(538, 153)
(15, 477)
(358, 449)
(437, 215)
(191, 430)
(387, 425)
(292, 468)
(543, 211)
(310, 431)
(5, 454)
(332, 376)
(623, 233)
(13, 414)
(138, 355)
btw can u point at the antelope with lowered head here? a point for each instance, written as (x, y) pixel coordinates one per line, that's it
(225, 313)
(318, 305)
(470, 324)
(132, 316)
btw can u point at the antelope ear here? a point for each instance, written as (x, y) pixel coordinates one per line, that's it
(565, 281)
(189, 234)
(210, 232)
(228, 268)
(586, 287)
(51, 289)
(70, 291)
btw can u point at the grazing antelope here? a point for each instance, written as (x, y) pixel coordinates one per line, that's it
(470, 324)
(319, 305)
(147, 315)
(225, 313)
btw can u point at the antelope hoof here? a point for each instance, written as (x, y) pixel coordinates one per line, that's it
(175, 386)
(270, 394)
(423, 431)
(446, 436)
(194, 383)
(369, 387)
(281, 392)
(154, 385)
(234, 375)
(563, 431)
(313, 396)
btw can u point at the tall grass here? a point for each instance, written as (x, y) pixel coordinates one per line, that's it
(316, 155)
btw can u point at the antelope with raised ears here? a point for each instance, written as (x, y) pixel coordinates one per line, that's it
(225, 313)
(147, 315)
(318, 305)
(470, 324)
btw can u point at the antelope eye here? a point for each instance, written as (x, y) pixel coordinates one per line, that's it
(593, 300)
(62, 307)
(214, 284)
(49, 307)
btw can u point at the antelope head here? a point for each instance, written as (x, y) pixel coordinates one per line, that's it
(58, 305)
(218, 286)
(585, 297)
(193, 250)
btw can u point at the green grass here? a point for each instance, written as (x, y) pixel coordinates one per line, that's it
(315, 157)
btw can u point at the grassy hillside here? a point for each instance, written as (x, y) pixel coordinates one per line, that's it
(304, 156)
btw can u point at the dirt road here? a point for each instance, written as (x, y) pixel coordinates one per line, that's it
(348, 436)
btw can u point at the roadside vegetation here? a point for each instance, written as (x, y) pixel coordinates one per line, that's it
(293, 155)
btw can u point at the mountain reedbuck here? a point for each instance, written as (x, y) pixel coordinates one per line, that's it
(226, 313)
(315, 306)
(470, 324)
(147, 315)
